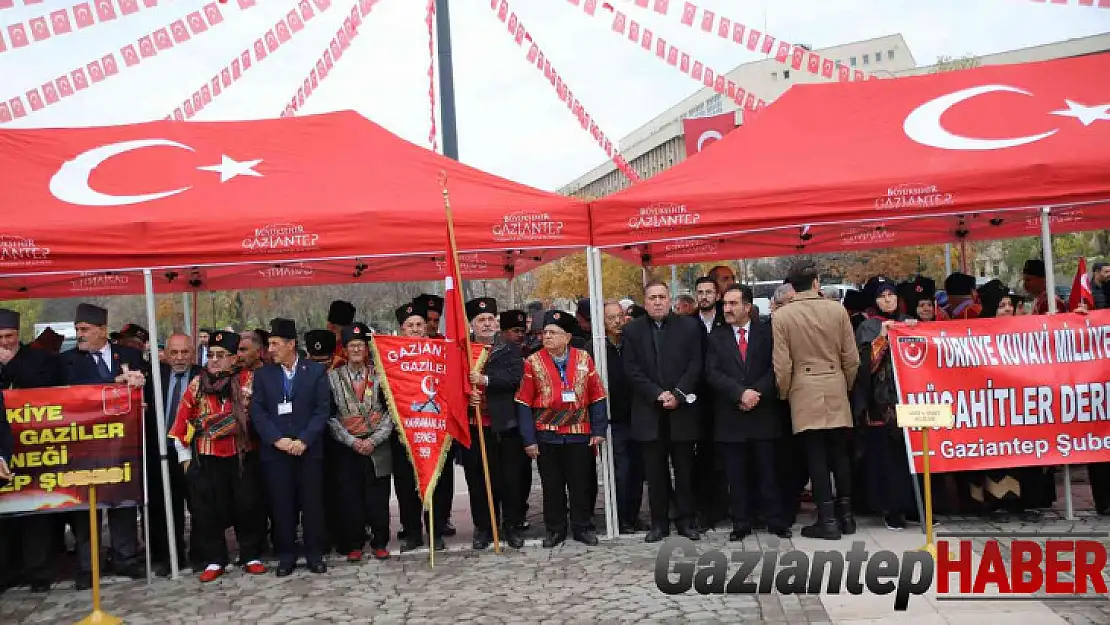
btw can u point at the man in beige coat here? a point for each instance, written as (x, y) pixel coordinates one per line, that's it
(816, 362)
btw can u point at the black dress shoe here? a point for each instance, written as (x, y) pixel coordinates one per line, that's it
(524, 526)
(449, 528)
(285, 570)
(411, 543)
(440, 545)
(83, 581)
(482, 540)
(655, 535)
(627, 528)
(781, 532)
(554, 539)
(318, 568)
(689, 532)
(586, 537)
(513, 539)
(40, 587)
(402, 534)
(739, 532)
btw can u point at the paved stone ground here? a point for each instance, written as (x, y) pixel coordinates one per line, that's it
(612, 582)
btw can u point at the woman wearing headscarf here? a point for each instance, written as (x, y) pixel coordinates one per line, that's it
(888, 481)
(919, 298)
(217, 450)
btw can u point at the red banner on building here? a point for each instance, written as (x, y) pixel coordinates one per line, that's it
(1025, 391)
(67, 437)
(701, 132)
(414, 369)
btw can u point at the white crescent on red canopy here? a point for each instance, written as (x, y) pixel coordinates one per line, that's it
(70, 183)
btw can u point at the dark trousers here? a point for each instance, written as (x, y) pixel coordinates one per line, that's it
(476, 478)
(179, 496)
(886, 471)
(363, 501)
(1099, 476)
(226, 493)
(28, 545)
(294, 483)
(792, 474)
(827, 451)
(750, 467)
(710, 481)
(657, 453)
(567, 469)
(628, 464)
(332, 521)
(408, 499)
(516, 477)
(123, 528)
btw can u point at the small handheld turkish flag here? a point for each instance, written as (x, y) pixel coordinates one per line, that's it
(1081, 287)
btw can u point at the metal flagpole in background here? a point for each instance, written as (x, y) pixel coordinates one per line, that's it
(187, 307)
(947, 260)
(1050, 294)
(160, 412)
(446, 83)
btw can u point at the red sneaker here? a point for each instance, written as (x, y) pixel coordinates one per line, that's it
(210, 575)
(381, 553)
(354, 556)
(255, 568)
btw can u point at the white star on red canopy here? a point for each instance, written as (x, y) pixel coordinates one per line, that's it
(1087, 115)
(230, 168)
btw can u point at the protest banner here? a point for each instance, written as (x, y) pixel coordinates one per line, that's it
(1025, 391)
(413, 370)
(68, 437)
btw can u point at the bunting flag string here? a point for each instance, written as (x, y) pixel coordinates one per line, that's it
(676, 57)
(59, 22)
(266, 44)
(331, 55)
(430, 19)
(541, 62)
(99, 70)
(755, 40)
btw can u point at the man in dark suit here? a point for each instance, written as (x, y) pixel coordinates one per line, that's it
(290, 407)
(35, 536)
(663, 360)
(748, 421)
(177, 372)
(95, 361)
(711, 496)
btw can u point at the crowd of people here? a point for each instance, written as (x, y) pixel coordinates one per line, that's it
(723, 415)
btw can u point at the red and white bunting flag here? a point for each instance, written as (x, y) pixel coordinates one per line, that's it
(843, 74)
(798, 55)
(647, 40)
(858, 75)
(827, 68)
(662, 6)
(783, 52)
(707, 19)
(697, 70)
(724, 28)
(768, 44)
(814, 65)
(619, 22)
(689, 11)
(738, 30)
(753, 39)
(633, 31)
(590, 7)
(661, 47)
(684, 65)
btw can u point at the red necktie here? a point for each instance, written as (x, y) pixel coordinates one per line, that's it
(743, 344)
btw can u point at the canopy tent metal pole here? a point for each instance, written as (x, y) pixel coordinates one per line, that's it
(160, 414)
(186, 309)
(1050, 288)
(947, 259)
(963, 256)
(597, 331)
(674, 282)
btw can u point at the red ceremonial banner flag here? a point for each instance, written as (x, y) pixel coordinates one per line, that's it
(457, 389)
(68, 437)
(1032, 390)
(701, 132)
(414, 371)
(1081, 287)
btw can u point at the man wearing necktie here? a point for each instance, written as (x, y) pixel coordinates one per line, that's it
(95, 361)
(747, 419)
(177, 372)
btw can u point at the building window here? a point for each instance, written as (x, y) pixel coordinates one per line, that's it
(774, 76)
(714, 105)
(890, 55)
(867, 59)
(786, 74)
(878, 56)
(852, 61)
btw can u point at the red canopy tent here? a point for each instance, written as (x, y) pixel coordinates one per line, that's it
(232, 204)
(969, 154)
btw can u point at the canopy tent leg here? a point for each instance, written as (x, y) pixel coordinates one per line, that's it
(963, 256)
(947, 259)
(597, 330)
(186, 309)
(674, 282)
(160, 414)
(1050, 287)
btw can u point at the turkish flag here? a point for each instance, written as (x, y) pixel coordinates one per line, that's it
(237, 65)
(688, 13)
(60, 20)
(661, 48)
(647, 40)
(105, 10)
(18, 35)
(39, 29)
(798, 57)
(753, 39)
(814, 65)
(456, 385)
(95, 73)
(196, 22)
(684, 64)
(738, 33)
(111, 68)
(162, 39)
(672, 56)
(17, 108)
(708, 77)
(50, 93)
(719, 84)
(217, 88)
(843, 74)
(768, 44)
(730, 89)
(1081, 288)
(127, 7)
(295, 23)
(783, 52)
(634, 31)
(857, 75)
(65, 89)
(707, 19)
(701, 132)
(827, 68)
(79, 80)
(282, 30)
(662, 6)
(180, 33)
(246, 4)
(178, 114)
(618, 22)
(83, 15)
(696, 71)
(212, 12)
(5, 113)
(35, 99)
(146, 47)
(306, 10)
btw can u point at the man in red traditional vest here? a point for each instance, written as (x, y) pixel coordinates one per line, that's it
(561, 413)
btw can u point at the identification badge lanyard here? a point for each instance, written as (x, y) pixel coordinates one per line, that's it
(568, 393)
(286, 406)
